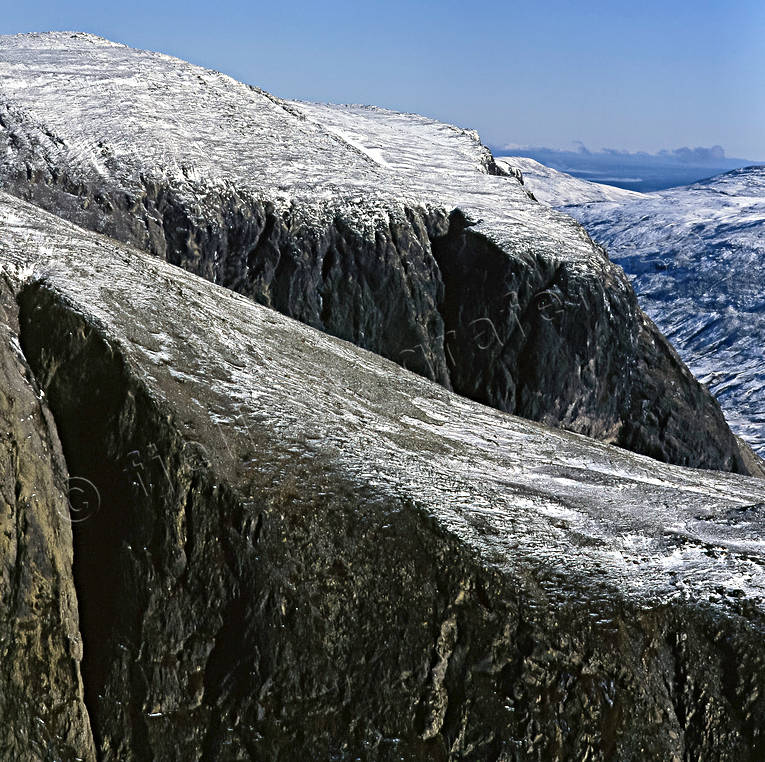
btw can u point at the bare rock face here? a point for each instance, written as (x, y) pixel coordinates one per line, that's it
(392, 231)
(304, 551)
(42, 709)
(575, 352)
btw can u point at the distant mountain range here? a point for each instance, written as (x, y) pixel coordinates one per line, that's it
(638, 171)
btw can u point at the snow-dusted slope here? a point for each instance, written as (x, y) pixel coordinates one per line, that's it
(295, 530)
(558, 189)
(375, 408)
(115, 113)
(391, 230)
(696, 256)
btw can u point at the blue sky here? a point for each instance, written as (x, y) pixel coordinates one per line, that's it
(631, 75)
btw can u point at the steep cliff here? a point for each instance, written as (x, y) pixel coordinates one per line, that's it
(305, 551)
(42, 708)
(393, 231)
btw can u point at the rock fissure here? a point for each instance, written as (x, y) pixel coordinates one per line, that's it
(108, 427)
(41, 692)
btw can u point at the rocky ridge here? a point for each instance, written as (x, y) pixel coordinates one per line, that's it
(303, 549)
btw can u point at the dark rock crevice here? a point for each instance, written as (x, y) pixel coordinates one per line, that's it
(145, 547)
(88, 409)
(42, 705)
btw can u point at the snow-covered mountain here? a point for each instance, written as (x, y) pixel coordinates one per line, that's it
(696, 256)
(227, 535)
(393, 231)
(113, 114)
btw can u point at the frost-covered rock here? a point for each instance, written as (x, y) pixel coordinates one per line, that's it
(305, 551)
(391, 230)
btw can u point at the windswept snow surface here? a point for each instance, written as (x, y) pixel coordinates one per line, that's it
(558, 189)
(521, 495)
(696, 257)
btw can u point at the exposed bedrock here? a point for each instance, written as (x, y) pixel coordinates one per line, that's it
(304, 551)
(302, 613)
(521, 330)
(42, 710)
(380, 290)
(539, 338)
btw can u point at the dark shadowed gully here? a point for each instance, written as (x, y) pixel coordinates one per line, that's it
(42, 710)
